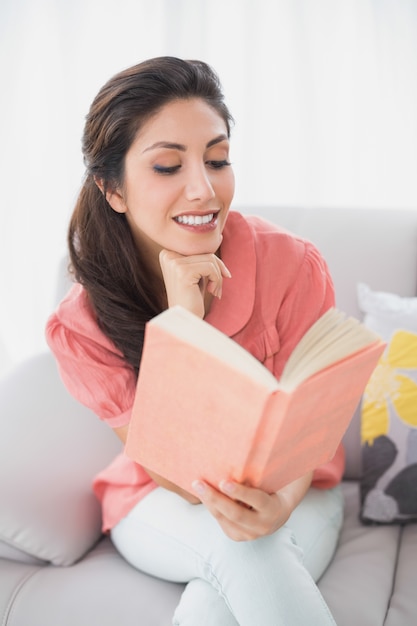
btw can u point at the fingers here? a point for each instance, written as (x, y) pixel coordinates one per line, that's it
(193, 268)
(187, 278)
(233, 517)
(243, 513)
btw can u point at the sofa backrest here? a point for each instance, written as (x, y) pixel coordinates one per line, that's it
(375, 247)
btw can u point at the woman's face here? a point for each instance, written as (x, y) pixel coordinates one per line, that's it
(178, 183)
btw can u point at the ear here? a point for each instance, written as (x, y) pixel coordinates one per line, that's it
(113, 197)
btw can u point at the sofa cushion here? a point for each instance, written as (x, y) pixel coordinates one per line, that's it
(11, 553)
(389, 412)
(358, 584)
(102, 589)
(49, 456)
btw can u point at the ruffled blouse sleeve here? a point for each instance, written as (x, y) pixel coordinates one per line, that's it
(90, 366)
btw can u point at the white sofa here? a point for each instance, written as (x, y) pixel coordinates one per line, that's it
(57, 570)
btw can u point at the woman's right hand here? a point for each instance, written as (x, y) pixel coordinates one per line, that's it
(188, 279)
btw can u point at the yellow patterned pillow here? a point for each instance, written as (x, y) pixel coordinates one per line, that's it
(389, 422)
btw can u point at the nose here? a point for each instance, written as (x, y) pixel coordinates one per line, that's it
(199, 186)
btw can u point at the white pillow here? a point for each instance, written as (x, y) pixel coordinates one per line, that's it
(384, 312)
(51, 447)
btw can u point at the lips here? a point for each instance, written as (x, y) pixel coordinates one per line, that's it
(195, 220)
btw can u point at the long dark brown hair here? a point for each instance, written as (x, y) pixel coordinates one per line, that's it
(104, 258)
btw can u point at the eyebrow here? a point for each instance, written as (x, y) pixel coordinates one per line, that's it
(179, 146)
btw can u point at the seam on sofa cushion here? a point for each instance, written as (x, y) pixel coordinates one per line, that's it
(11, 605)
(394, 574)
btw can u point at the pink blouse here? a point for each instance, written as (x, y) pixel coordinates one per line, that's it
(280, 285)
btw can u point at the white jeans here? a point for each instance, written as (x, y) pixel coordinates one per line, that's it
(268, 581)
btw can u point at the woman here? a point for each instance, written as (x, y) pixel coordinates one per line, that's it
(152, 229)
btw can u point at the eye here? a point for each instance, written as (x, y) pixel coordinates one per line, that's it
(160, 169)
(218, 165)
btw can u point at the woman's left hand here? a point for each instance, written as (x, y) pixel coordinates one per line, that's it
(245, 513)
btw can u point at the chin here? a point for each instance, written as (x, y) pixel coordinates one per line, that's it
(206, 247)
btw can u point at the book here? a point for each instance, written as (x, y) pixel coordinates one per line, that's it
(205, 408)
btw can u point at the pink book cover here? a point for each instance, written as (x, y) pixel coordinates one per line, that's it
(195, 417)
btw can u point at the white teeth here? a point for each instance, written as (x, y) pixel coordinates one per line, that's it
(195, 220)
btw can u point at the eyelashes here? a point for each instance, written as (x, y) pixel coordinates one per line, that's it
(159, 169)
(166, 171)
(218, 165)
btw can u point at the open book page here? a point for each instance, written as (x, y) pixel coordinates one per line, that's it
(332, 338)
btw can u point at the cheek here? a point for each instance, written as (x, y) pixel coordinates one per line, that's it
(151, 202)
(161, 196)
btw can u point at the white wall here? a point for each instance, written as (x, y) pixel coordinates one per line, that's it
(324, 93)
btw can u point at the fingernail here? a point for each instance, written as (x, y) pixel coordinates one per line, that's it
(199, 487)
(226, 486)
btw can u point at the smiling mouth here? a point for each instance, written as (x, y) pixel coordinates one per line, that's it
(195, 220)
